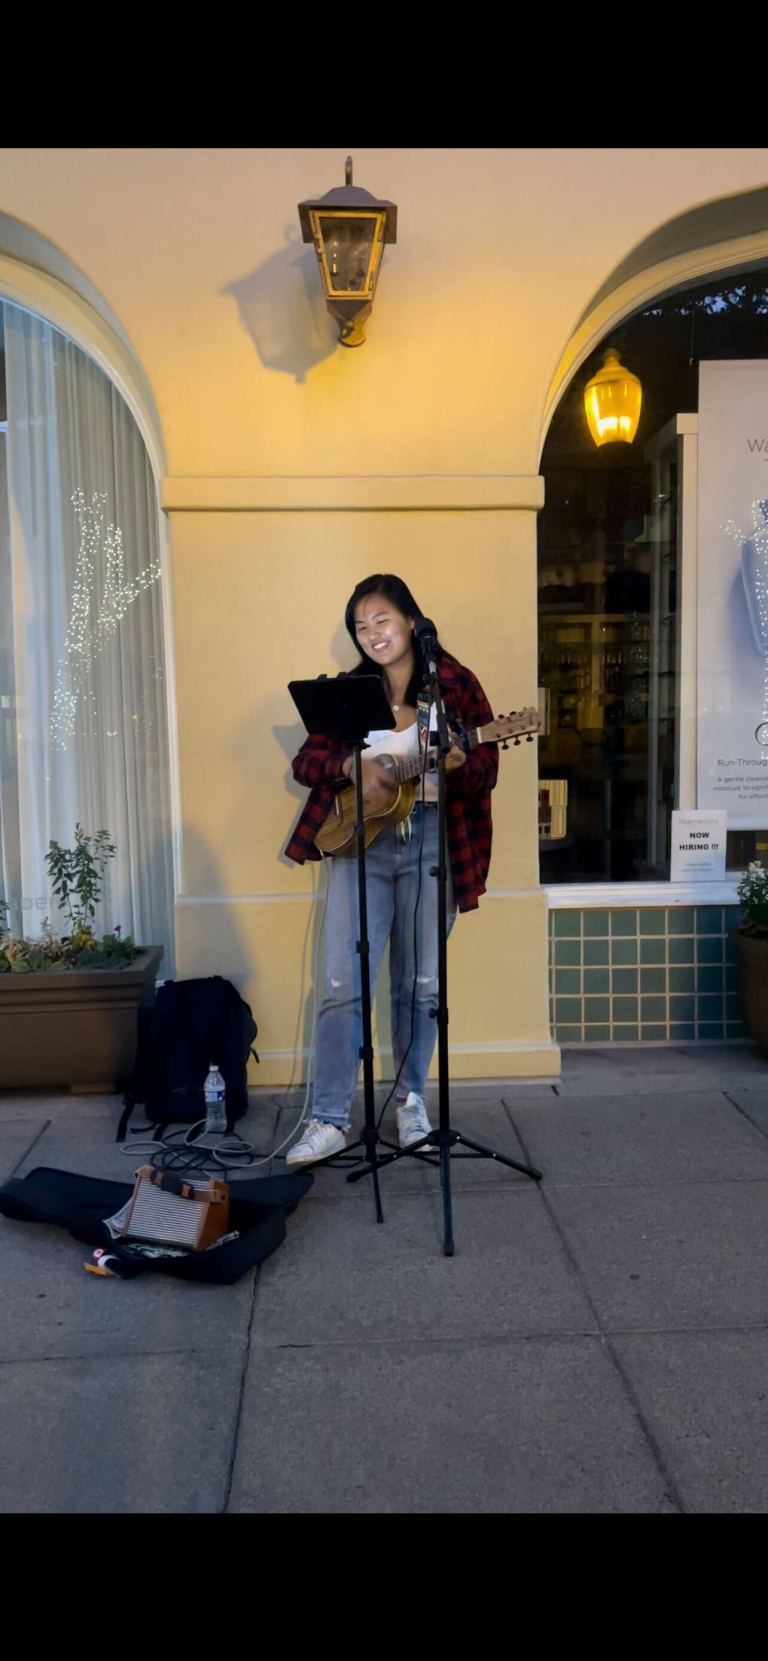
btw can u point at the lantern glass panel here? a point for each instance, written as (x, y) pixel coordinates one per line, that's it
(350, 252)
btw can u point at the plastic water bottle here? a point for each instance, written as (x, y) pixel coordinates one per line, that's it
(214, 1090)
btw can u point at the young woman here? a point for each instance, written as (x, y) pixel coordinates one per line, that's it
(380, 617)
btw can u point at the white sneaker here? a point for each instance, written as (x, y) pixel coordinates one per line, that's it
(318, 1142)
(412, 1121)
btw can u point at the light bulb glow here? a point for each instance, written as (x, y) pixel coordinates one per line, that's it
(612, 402)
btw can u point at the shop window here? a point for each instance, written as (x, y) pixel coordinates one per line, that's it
(609, 624)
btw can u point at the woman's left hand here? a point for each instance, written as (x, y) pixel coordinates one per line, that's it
(455, 758)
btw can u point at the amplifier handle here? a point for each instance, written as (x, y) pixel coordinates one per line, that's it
(174, 1185)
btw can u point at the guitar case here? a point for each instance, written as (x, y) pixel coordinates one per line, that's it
(258, 1210)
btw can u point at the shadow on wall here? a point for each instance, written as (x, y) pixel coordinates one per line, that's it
(282, 308)
(201, 876)
(156, 901)
(290, 740)
(221, 951)
(263, 716)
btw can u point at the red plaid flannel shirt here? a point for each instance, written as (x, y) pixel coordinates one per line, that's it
(468, 788)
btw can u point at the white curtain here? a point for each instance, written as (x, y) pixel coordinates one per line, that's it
(83, 714)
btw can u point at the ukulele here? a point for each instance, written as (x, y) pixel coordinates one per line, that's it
(337, 834)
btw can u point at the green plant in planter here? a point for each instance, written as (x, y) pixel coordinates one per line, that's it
(77, 875)
(753, 893)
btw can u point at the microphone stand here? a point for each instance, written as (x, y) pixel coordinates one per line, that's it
(445, 1137)
(369, 1135)
(348, 707)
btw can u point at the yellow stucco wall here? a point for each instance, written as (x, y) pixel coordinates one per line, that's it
(198, 253)
(293, 468)
(259, 601)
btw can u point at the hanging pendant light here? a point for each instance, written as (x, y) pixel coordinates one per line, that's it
(612, 401)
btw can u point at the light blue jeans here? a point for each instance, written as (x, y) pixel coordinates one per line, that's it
(392, 880)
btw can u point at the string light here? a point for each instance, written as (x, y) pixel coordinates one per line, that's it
(754, 570)
(99, 555)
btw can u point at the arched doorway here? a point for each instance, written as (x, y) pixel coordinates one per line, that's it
(635, 957)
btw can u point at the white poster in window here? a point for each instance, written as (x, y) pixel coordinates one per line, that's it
(698, 847)
(732, 597)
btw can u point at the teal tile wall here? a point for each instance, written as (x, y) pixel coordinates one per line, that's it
(644, 973)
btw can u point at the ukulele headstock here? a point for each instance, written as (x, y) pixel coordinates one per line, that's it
(519, 723)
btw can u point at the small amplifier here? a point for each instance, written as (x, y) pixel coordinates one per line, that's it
(167, 1211)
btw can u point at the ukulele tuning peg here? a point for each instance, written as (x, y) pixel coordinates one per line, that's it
(499, 717)
(529, 739)
(505, 745)
(517, 741)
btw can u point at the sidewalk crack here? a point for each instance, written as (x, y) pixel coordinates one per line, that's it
(32, 1146)
(240, 1399)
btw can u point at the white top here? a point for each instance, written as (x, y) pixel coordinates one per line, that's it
(402, 746)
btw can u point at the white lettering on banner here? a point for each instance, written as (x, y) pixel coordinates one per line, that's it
(732, 600)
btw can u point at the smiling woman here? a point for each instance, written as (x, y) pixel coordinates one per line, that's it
(401, 884)
(385, 634)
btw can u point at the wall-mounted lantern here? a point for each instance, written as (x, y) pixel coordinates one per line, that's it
(349, 228)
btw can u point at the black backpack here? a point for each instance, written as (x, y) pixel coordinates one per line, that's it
(191, 1024)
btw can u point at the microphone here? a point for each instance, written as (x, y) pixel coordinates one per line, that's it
(425, 632)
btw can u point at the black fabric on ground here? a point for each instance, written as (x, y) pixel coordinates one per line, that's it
(257, 1208)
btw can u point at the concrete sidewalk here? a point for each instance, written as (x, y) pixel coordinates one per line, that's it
(598, 1343)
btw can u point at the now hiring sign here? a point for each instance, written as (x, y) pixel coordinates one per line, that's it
(698, 846)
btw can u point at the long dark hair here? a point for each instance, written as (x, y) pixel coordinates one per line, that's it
(399, 595)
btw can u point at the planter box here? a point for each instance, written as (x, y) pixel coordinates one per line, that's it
(76, 1028)
(753, 981)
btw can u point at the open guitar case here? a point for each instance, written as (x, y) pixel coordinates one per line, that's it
(257, 1211)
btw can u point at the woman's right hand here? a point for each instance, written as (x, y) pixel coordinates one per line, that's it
(379, 787)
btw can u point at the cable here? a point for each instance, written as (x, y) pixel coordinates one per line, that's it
(315, 974)
(181, 1150)
(307, 933)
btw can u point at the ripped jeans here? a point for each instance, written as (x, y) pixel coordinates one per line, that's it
(392, 878)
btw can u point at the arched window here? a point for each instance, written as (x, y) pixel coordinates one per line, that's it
(611, 651)
(84, 730)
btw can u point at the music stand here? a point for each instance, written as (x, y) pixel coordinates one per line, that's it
(447, 1136)
(349, 708)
